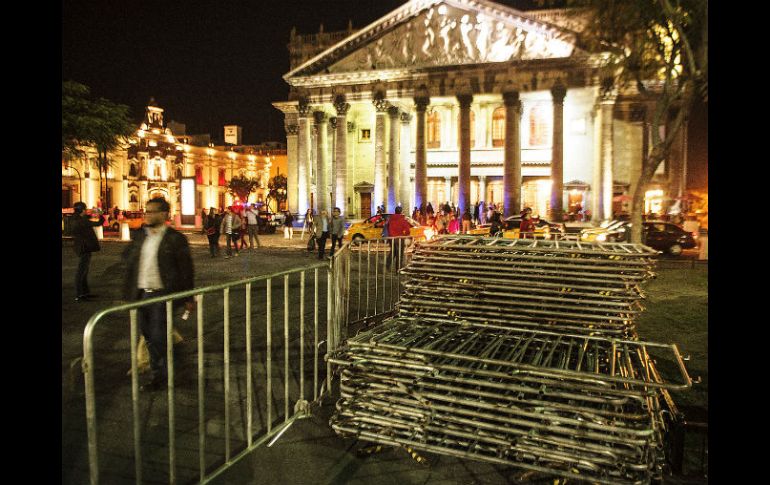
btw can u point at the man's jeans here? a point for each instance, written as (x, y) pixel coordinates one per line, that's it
(230, 238)
(336, 240)
(81, 276)
(253, 235)
(322, 244)
(152, 322)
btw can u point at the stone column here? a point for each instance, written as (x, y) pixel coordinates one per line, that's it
(558, 92)
(421, 103)
(447, 191)
(512, 160)
(464, 169)
(332, 172)
(380, 189)
(404, 192)
(608, 151)
(483, 188)
(291, 176)
(303, 159)
(393, 159)
(322, 189)
(340, 162)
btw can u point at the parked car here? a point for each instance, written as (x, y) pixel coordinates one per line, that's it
(371, 228)
(268, 222)
(660, 235)
(543, 228)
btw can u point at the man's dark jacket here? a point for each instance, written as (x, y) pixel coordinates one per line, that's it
(84, 238)
(174, 263)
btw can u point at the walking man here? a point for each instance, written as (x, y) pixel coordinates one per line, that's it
(252, 225)
(322, 227)
(158, 263)
(230, 226)
(85, 242)
(396, 226)
(338, 228)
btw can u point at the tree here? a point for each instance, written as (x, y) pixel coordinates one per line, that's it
(660, 49)
(95, 123)
(241, 187)
(277, 190)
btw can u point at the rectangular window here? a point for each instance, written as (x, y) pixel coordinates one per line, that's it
(365, 134)
(222, 180)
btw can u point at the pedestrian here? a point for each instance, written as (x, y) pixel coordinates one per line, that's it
(466, 222)
(242, 238)
(158, 263)
(416, 215)
(204, 220)
(322, 227)
(429, 210)
(229, 227)
(482, 213)
(288, 228)
(476, 213)
(527, 225)
(441, 223)
(212, 232)
(496, 224)
(84, 242)
(453, 227)
(338, 228)
(396, 227)
(252, 224)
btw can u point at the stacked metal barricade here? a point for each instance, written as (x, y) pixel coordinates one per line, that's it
(515, 352)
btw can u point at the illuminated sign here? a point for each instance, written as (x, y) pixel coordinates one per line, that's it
(188, 196)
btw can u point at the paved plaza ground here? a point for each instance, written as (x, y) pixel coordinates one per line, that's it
(309, 452)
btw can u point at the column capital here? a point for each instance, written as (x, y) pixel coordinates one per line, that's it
(405, 117)
(511, 98)
(340, 105)
(465, 100)
(291, 130)
(380, 103)
(421, 103)
(393, 112)
(608, 92)
(558, 92)
(319, 117)
(304, 107)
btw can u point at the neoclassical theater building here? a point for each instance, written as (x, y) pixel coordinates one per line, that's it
(156, 159)
(463, 101)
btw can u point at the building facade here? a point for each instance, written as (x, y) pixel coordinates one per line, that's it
(465, 101)
(154, 162)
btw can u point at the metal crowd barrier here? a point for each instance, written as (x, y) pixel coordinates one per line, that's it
(518, 352)
(368, 281)
(250, 309)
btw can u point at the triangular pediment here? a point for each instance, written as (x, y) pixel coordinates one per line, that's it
(435, 33)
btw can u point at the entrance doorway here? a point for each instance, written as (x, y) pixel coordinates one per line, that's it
(366, 205)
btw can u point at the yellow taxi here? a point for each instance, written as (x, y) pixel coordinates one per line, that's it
(371, 228)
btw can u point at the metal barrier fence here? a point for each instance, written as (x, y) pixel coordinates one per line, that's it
(367, 282)
(198, 409)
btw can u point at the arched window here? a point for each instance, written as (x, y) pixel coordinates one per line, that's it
(434, 130)
(132, 171)
(178, 173)
(473, 129)
(539, 126)
(498, 127)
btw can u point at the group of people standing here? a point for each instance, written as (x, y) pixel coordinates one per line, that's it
(240, 230)
(322, 227)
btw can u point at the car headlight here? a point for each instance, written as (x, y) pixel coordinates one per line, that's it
(601, 237)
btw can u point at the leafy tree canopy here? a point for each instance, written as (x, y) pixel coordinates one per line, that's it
(241, 187)
(277, 190)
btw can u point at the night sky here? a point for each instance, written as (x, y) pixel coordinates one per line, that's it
(208, 63)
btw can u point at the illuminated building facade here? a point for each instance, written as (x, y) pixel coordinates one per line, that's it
(154, 163)
(463, 101)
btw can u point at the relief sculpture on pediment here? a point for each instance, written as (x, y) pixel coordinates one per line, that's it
(446, 35)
